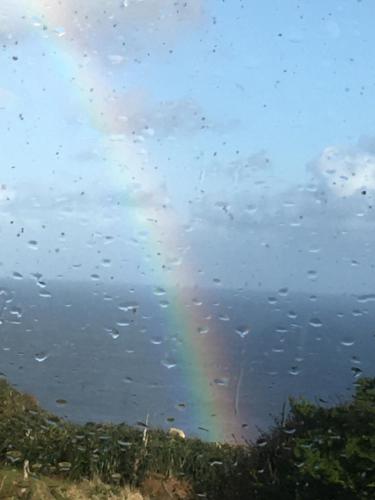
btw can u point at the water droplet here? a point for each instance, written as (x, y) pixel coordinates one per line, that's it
(242, 331)
(278, 349)
(17, 276)
(16, 312)
(159, 291)
(64, 466)
(222, 381)
(290, 430)
(108, 240)
(33, 244)
(283, 292)
(357, 372)
(125, 444)
(366, 298)
(5, 293)
(315, 322)
(14, 456)
(347, 342)
(312, 275)
(114, 333)
(60, 31)
(61, 402)
(224, 317)
(251, 209)
(314, 250)
(202, 330)
(41, 356)
(281, 330)
(156, 340)
(261, 442)
(123, 322)
(294, 371)
(164, 304)
(129, 306)
(169, 363)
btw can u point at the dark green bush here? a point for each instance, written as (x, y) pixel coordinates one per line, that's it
(314, 453)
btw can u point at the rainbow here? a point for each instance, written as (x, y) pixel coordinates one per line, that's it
(203, 355)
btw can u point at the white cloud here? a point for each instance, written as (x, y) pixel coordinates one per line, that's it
(6, 194)
(7, 97)
(346, 171)
(92, 22)
(139, 115)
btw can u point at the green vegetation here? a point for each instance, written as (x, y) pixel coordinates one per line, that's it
(14, 485)
(314, 453)
(321, 453)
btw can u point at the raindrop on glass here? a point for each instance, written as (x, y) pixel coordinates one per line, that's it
(315, 322)
(347, 342)
(40, 357)
(169, 363)
(33, 244)
(156, 340)
(312, 275)
(61, 402)
(242, 331)
(294, 371)
(222, 381)
(202, 330)
(224, 317)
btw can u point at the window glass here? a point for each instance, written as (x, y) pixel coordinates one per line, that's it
(186, 208)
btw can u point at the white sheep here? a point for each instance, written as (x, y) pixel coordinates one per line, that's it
(173, 431)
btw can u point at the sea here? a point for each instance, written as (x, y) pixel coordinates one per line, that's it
(105, 352)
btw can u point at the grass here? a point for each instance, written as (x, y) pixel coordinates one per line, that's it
(13, 485)
(314, 453)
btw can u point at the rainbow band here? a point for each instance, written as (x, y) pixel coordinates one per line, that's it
(203, 357)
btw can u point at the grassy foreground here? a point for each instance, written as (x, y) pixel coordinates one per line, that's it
(14, 485)
(314, 453)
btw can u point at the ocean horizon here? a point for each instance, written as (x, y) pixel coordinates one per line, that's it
(103, 352)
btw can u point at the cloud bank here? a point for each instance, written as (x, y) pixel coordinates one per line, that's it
(346, 171)
(110, 23)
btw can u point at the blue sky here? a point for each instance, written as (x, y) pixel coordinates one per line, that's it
(294, 84)
(238, 104)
